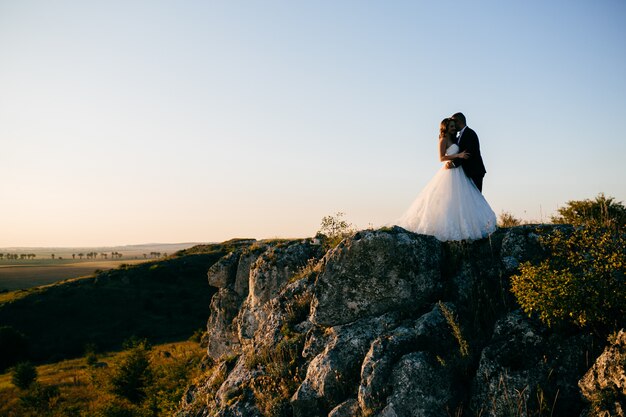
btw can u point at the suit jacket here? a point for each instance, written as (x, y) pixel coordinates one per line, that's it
(473, 167)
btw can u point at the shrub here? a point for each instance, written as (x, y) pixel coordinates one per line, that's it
(40, 398)
(117, 408)
(506, 219)
(603, 211)
(133, 375)
(24, 375)
(581, 281)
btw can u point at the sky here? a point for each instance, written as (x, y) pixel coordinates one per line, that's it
(126, 122)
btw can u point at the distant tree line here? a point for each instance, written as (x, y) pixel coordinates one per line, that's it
(14, 256)
(154, 255)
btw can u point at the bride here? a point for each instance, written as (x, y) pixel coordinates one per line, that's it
(450, 207)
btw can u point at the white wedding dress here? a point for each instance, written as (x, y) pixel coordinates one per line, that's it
(450, 207)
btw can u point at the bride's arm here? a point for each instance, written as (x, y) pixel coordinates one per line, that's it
(442, 153)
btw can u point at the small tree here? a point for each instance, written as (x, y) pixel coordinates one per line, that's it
(133, 373)
(24, 375)
(334, 229)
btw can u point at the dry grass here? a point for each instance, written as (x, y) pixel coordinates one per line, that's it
(80, 385)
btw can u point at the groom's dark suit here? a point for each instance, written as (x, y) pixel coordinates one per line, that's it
(473, 166)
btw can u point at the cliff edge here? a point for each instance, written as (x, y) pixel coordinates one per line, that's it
(388, 323)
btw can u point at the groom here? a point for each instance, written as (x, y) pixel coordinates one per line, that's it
(467, 140)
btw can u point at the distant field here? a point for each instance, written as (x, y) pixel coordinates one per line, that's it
(55, 264)
(20, 275)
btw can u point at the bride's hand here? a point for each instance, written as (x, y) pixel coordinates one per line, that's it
(463, 155)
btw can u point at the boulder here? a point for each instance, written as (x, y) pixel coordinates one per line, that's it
(430, 333)
(422, 387)
(221, 336)
(524, 367)
(269, 275)
(333, 375)
(521, 244)
(375, 272)
(222, 273)
(242, 275)
(604, 385)
(348, 408)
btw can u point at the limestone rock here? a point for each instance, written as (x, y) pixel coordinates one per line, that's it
(222, 335)
(523, 368)
(604, 385)
(269, 274)
(521, 244)
(222, 273)
(428, 333)
(242, 275)
(231, 398)
(333, 375)
(422, 387)
(375, 272)
(348, 408)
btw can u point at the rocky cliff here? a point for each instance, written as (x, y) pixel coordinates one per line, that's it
(390, 323)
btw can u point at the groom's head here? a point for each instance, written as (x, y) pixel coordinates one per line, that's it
(459, 118)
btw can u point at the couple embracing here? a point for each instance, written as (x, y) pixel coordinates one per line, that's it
(451, 206)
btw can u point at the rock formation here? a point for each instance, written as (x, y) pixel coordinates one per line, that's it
(388, 323)
(604, 385)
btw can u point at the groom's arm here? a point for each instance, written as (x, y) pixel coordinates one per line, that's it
(470, 145)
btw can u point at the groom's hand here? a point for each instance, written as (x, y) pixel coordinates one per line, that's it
(450, 165)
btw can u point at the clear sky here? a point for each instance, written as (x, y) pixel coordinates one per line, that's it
(128, 122)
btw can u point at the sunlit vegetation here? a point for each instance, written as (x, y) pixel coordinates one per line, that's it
(138, 381)
(582, 279)
(334, 229)
(602, 211)
(506, 219)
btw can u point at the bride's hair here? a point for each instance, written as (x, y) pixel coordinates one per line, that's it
(443, 127)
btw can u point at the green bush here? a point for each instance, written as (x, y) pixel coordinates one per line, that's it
(133, 374)
(581, 281)
(506, 219)
(24, 375)
(603, 211)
